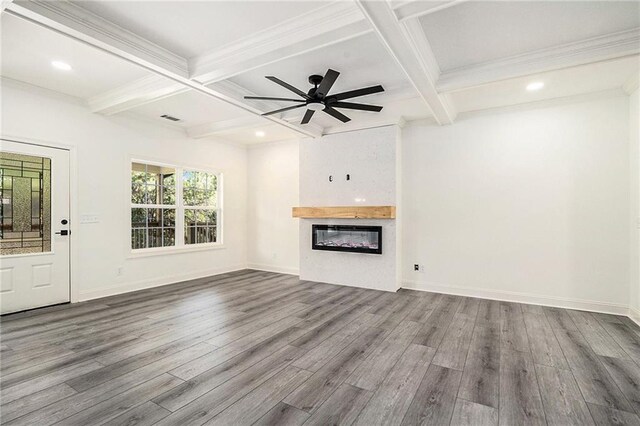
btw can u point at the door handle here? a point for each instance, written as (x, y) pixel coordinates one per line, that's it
(63, 232)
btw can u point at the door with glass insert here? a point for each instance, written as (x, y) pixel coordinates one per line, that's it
(34, 226)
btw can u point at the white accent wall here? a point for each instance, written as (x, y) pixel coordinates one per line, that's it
(104, 146)
(528, 206)
(371, 158)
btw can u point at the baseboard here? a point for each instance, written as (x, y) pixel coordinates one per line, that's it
(634, 315)
(271, 268)
(155, 282)
(532, 299)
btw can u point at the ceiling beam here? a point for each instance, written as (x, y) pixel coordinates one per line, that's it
(418, 8)
(75, 22)
(597, 49)
(233, 90)
(406, 46)
(333, 23)
(4, 4)
(137, 93)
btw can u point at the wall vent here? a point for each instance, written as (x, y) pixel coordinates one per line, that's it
(168, 117)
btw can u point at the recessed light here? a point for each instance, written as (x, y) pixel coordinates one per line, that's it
(536, 85)
(61, 65)
(260, 134)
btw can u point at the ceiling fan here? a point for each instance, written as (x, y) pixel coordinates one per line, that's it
(318, 97)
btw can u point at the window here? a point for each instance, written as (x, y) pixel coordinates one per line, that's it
(173, 206)
(200, 196)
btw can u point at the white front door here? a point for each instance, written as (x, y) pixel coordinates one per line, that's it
(34, 226)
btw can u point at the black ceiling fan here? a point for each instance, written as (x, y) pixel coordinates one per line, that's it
(318, 97)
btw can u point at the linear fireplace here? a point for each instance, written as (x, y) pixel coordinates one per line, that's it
(355, 239)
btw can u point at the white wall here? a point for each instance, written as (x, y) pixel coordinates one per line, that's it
(273, 189)
(104, 146)
(531, 205)
(371, 159)
(634, 145)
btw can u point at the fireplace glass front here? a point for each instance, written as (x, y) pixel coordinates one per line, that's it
(355, 239)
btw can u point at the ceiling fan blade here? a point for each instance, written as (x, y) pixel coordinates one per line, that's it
(284, 109)
(358, 92)
(350, 105)
(287, 86)
(327, 81)
(336, 114)
(266, 98)
(307, 116)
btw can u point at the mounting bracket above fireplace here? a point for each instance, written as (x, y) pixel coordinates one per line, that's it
(349, 238)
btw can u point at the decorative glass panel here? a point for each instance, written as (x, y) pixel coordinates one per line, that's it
(25, 209)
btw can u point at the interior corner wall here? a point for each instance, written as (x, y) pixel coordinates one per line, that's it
(273, 176)
(530, 206)
(634, 145)
(104, 146)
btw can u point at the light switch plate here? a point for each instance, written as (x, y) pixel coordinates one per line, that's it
(89, 218)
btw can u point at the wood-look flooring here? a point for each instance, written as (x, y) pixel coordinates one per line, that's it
(253, 347)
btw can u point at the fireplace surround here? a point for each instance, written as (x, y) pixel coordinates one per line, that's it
(347, 238)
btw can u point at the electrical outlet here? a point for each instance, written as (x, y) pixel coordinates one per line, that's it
(416, 267)
(120, 270)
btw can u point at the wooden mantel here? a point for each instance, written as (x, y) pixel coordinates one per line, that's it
(346, 212)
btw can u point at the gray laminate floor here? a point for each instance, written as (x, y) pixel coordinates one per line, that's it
(253, 347)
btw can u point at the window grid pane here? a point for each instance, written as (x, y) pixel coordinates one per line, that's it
(200, 226)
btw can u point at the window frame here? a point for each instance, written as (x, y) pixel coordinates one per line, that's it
(180, 246)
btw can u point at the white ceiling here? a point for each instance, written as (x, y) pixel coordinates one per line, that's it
(362, 62)
(596, 77)
(192, 108)
(475, 32)
(419, 51)
(202, 25)
(28, 49)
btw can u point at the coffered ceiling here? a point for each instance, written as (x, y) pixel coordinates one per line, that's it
(196, 60)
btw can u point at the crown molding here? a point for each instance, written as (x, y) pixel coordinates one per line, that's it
(527, 106)
(135, 94)
(209, 129)
(610, 46)
(417, 8)
(366, 124)
(404, 42)
(10, 82)
(62, 15)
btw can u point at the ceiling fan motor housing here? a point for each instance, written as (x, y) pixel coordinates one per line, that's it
(315, 79)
